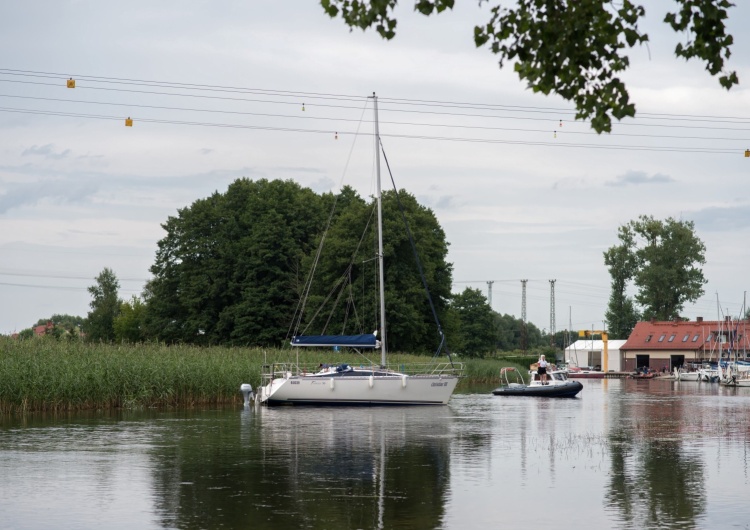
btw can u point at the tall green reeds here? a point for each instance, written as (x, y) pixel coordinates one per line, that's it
(43, 374)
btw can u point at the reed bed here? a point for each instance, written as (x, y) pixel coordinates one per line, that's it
(44, 374)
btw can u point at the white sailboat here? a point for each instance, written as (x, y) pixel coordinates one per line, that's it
(292, 384)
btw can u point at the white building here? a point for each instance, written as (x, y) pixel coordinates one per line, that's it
(587, 353)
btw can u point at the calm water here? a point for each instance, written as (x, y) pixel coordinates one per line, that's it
(625, 454)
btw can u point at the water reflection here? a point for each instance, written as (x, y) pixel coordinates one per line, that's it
(659, 471)
(626, 454)
(304, 468)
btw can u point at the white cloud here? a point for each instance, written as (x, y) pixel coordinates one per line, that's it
(639, 177)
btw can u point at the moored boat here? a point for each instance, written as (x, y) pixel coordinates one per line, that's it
(687, 375)
(369, 384)
(582, 373)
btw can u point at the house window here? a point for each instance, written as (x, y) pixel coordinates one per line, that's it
(671, 338)
(648, 339)
(661, 339)
(696, 337)
(686, 337)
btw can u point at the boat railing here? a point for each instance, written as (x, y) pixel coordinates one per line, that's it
(283, 370)
(444, 368)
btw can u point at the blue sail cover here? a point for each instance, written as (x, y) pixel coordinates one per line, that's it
(350, 341)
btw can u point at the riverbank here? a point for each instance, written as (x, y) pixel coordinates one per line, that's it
(50, 375)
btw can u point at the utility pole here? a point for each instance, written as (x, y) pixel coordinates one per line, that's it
(489, 292)
(552, 312)
(523, 316)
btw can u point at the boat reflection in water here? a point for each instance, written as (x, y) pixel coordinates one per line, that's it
(628, 454)
(316, 467)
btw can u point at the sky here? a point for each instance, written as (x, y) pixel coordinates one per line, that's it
(278, 90)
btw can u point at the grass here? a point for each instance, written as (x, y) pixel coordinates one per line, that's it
(44, 374)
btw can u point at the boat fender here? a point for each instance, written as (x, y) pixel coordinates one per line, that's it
(372, 381)
(332, 383)
(403, 381)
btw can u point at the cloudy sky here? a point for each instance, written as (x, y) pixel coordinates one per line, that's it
(217, 90)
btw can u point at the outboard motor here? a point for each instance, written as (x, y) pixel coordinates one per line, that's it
(247, 393)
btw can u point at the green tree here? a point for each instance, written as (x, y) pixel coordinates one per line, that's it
(478, 336)
(105, 306)
(621, 314)
(575, 49)
(229, 269)
(129, 323)
(348, 262)
(667, 256)
(410, 318)
(65, 326)
(233, 268)
(510, 332)
(27, 333)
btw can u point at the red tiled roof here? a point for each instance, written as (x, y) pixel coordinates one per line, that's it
(691, 336)
(42, 330)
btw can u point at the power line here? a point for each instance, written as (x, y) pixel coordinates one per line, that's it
(61, 276)
(347, 97)
(341, 119)
(485, 107)
(674, 149)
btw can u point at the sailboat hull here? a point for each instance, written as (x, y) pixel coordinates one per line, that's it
(365, 391)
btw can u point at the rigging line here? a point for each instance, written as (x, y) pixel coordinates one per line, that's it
(424, 102)
(360, 120)
(308, 283)
(416, 255)
(354, 142)
(676, 149)
(337, 286)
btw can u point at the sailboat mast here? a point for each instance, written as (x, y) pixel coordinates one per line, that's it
(380, 235)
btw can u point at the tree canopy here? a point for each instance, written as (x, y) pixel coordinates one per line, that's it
(233, 268)
(105, 306)
(574, 48)
(663, 260)
(229, 267)
(621, 314)
(478, 332)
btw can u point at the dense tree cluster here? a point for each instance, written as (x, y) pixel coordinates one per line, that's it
(233, 268)
(236, 268)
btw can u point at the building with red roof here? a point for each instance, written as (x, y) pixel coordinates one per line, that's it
(670, 344)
